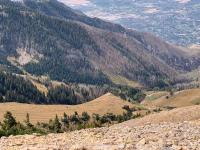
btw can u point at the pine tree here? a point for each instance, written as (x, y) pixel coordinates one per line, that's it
(57, 125)
(27, 121)
(9, 121)
(1, 98)
(65, 120)
(75, 118)
(85, 117)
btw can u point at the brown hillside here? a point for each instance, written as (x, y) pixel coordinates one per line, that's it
(171, 135)
(179, 99)
(106, 104)
(190, 113)
(92, 49)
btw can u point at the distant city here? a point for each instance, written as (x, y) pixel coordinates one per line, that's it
(176, 21)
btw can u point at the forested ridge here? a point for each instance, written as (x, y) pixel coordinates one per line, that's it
(14, 88)
(72, 47)
(19, 28)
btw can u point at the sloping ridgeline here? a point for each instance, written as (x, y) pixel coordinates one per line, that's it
(16, 89)
(69, 46)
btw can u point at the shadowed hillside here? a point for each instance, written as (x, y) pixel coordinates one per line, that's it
(49, 38)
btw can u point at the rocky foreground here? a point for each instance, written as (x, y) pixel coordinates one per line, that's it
(163, 136)
(178, 129)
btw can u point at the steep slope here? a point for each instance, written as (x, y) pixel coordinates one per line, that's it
(164, 135)
(176, 57)
(180, 58)
(59, 10)
(105, 104)
(32, 89)
(13, 88)
(47, 37)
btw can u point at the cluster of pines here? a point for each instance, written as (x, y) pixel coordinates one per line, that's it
(9, 125)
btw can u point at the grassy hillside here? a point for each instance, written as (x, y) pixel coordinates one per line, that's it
(120, 80)
(179, 99)
(190, 113)
(42, 113)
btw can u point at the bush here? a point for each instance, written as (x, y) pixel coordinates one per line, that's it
(85, 117)
(9, 121)
(2, 133)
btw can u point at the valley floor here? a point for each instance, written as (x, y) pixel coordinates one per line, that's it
(138, 134)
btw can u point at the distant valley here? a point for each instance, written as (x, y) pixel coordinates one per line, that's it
(176, 21)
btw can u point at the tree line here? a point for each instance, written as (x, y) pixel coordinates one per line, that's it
(14, 88)
(10, 126)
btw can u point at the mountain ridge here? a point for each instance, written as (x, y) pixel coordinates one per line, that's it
(69, 46)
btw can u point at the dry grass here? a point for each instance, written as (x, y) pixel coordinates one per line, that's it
(180, 99)
(38, 82)
(120, 80)
(57, 83)
(155, 95)
(42, 113)
(40, 87)
(190, 113)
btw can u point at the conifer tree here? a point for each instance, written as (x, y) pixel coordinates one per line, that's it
(9, 121)
(65, 120)
(27, 121)
(85, 117)
(57, 125)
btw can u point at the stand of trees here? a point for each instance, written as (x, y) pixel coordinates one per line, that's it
(17, 89)
(10, 126)
(127, 93)
(14, 88)
(73, 94)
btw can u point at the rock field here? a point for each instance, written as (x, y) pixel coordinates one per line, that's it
(163, 136)
(175, 134)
